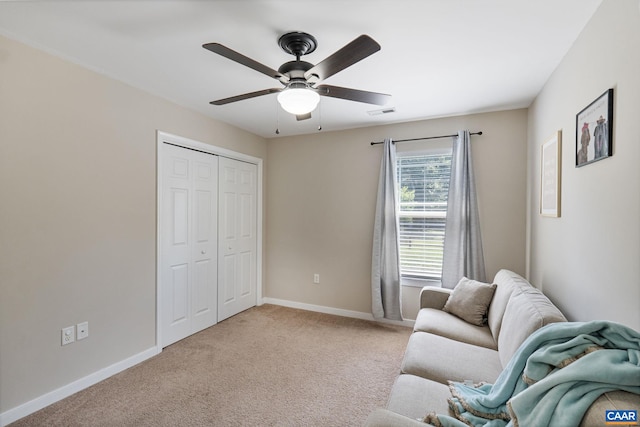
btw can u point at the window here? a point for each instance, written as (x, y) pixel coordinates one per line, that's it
(423, 182)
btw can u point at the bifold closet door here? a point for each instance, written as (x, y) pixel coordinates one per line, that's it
(237, 238)
(189, 242)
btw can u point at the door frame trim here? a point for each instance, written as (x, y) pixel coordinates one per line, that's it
(165, 137)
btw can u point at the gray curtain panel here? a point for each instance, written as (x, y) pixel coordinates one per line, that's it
(385, 263)
(462, 242)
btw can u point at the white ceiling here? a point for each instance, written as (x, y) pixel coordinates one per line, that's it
(439, 57)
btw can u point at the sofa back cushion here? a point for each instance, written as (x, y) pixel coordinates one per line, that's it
(506, 281)
(528, 309)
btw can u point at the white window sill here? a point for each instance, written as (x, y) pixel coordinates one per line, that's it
(415, 282)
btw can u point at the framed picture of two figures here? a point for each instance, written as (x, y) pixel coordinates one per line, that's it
(594, 130)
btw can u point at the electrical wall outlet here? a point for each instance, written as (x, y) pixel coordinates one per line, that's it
(316, 278)
(82, 330)
(68, 335)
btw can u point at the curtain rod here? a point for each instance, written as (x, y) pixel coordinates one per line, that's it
(427, 137)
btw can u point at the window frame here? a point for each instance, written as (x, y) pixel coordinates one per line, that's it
(434, 149)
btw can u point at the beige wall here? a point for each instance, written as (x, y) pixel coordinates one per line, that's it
(78, 216)
(322, 191)
(588, 261)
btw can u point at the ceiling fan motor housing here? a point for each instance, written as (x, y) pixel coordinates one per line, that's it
(295, 71)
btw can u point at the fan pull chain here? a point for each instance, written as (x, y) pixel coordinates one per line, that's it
(277, 118)
(320, 115)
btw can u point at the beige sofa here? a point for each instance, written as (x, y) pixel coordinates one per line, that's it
(444, 347)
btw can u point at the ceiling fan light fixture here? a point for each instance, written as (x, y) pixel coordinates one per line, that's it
(298, 101)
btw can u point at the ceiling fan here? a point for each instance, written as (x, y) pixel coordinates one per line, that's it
(301, 90)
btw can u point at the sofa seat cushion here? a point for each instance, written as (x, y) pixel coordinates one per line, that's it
(414, 397)
(447, 325)
(386, 418)
(442, 359)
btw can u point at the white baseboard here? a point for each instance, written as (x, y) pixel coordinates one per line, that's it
(65, 391)
(335, 311)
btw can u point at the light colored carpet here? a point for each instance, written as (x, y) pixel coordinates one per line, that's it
(267, 366)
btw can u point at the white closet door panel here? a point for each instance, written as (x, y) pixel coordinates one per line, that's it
(247, 221)
(188, 243)
(201, 288)
(228, 284)
(204, 249)
(180, 214)
(179, 291)
(203, 212)
(229, 228)
(246, 267)
(238, 242)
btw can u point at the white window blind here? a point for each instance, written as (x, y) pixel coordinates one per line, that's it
(423, 190)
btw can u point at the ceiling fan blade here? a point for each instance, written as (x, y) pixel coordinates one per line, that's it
(246, 61)
(245, 96)
(353, 94)
(353, 52)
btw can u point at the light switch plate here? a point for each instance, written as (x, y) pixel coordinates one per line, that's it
(68, 335)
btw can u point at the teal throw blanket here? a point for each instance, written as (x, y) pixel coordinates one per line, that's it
(552, 379)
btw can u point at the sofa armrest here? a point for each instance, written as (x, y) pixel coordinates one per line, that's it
(434, 297)
(386, 418)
